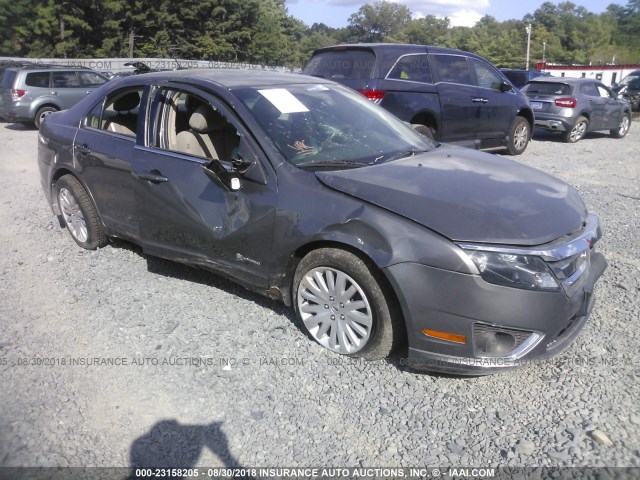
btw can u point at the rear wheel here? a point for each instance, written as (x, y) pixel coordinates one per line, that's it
(623, 128)
(40, 114)
(79, 213)
(346, 305)
(423, 130)
(519, 136)
(578, 131)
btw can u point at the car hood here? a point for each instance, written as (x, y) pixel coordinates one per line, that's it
(468, 196)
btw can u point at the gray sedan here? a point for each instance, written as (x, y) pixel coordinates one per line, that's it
(576, 106)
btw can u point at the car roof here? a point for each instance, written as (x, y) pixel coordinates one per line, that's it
(230, 79)
(409, 47)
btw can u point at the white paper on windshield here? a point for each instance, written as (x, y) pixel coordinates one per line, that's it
(283, 100)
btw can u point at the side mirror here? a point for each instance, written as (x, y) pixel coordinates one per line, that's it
(247, 164)
(504, 87)
(227, 178)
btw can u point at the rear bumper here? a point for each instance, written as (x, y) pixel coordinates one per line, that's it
(15, 114)
(466, 305)
(552, 124)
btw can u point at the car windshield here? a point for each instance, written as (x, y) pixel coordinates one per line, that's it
(330, 126)
(547, 88)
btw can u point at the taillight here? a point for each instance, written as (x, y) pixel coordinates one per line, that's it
(375, 96)
(17, 94)
(566, 102)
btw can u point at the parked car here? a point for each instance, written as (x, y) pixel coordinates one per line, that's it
(519, 78)
(29, 93)
(303, 190)
(456, 96)
(629, 88)
(576, 106)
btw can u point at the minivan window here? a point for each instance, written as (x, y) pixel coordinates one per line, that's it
(589, 89)
(37, 79)
(547, 88)
(414, 68)
(341, 65)
(452, 69)
(7, 78)
(486, 76)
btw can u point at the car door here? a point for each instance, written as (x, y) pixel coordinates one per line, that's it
(104, 155)
(596, 103)
(497, 109)
(612, 108)
(460, 101)
(192, 207)
(66, 88)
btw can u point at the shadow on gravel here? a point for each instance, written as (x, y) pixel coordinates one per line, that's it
(180, 271)
(19, 127)
(541, 135)
(170, 445)
(188, 273)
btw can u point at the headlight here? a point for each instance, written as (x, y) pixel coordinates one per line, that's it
(518, 271)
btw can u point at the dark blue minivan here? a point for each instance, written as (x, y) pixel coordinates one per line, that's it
(456, 96)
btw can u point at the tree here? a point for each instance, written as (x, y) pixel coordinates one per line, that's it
(382, 21)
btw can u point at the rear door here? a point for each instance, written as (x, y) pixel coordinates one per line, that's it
(613, 108)
(105, 158)
(597, 105)
(66, 88)
(460, 99)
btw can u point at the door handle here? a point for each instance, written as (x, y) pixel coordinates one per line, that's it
(153, 176)
(53, 92)
(476, 99)
(88, 92)
(83, 149)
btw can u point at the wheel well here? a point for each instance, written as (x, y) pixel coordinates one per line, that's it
(47, 105)
(300, 253)
(61, 173)
(527, 114)
(427, 119)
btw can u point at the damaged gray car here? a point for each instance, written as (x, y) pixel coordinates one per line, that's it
(302, 190)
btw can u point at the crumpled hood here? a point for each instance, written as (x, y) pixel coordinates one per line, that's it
(469, 196)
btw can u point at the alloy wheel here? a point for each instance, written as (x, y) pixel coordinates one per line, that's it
(335, 310)
(521, 136)
(578, 131)
(624, 126)
(73, 216)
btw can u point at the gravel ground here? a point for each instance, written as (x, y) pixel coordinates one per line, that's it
(260, 392)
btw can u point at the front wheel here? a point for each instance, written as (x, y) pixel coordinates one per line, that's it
(345, 304)
(79, 213)
(519, 136)
(623, 128)
(578, 131)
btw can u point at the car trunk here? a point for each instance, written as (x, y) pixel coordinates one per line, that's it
(542, 96)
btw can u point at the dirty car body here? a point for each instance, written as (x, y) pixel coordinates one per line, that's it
(304, 191)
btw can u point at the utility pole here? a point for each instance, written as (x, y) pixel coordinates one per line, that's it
(528, 43)
(131, 39)
(544, 54)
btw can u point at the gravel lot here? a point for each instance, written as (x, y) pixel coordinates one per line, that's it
(259, 392)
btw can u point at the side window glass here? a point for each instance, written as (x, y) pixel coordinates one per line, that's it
(486, 75)
(188, 124)
(37, 79)
(452, 69)
(120, 113)
(603, 92)
(415, 68)
(589, 89)
(64, 79)
(90, 79)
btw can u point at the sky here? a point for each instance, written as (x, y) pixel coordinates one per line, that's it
(335, 13)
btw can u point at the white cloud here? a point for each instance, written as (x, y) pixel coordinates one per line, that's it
(465, 18)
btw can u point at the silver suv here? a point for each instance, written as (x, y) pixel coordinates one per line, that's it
(29, 93)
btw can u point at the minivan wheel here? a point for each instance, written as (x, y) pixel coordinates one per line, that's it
(40, 114)
(519, 136)
(345, 304)
(578, 131)
(623, 128)
(423, 130)
(79, 213)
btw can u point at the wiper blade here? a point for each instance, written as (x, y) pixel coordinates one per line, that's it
(399, 155)
(330, 164)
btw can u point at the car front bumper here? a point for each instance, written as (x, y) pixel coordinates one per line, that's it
(467, 307)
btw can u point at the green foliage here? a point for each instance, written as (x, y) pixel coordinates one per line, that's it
(262, 31)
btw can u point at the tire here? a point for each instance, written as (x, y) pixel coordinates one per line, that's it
(623, 128)
(519, 136)
(40, 114)
(578, 131)
(325, 283)
(423, 130)
(79, 213)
